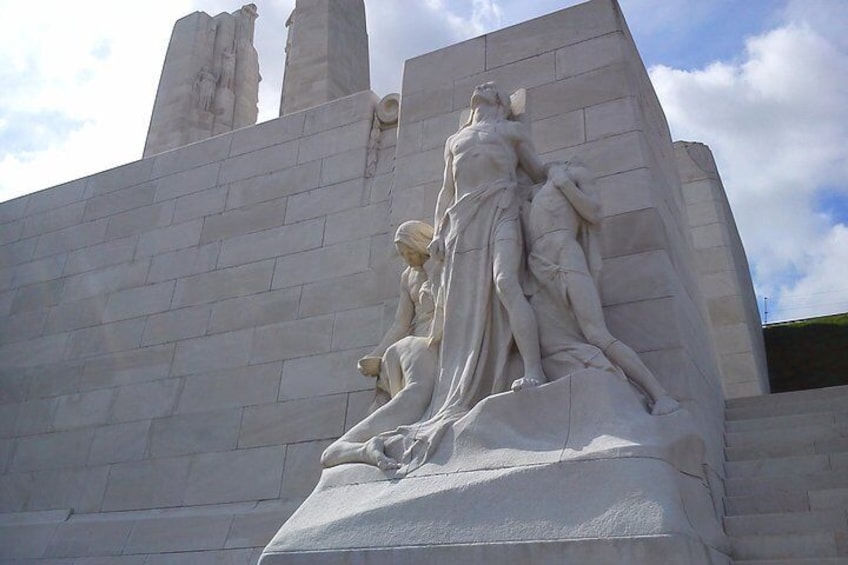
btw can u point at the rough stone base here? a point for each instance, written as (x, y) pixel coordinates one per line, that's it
(521, 479)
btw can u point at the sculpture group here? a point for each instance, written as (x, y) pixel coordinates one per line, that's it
(513, 260)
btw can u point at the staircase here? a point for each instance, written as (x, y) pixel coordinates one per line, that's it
(786, 499)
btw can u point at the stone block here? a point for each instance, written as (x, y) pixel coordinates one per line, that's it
(638, 276)
(358, 404)
(733, 338)
(13, 387)
(14, 209)
(53, 220)
(646, 325)
(706, 237)
(244, 220)
(582, 91)
(34, 417)
(16, 253)
(704, 213)
(23, 326)
(39, 271)
(293, 421)
(187, 182)
(217, 478)
(726, 310)
(144, 401)
(357, 328)
(435, 130)
(53, 380)
(119, 443)
(8, 417)
(721, 284)
(199, 432)
(10, 232)
(89, 538)
(140, 220)
(260, 136)
(339, 112)
(224, 283)
(274, 185)
(445, 65)
(321, 264)
(199, 204)
(530, 72)
(559, 131)
(255, 310)
(612, 118)
(172, 238)
(155, 483)
(52, 451)
(20, 542)
(105, 254)
(34, 352)
(589, 55)
(739, 368)
(119, 201)
(184, 533)
(633, 232)
(221, 351)
(343, 166)
(357, 223)
(127, 367)
(184, 263)
(287, 340)
(37, 296)
(259, 162)
(566, 27)
(258, 527)
(140, 301)
(81, 489)
(83, 409)
(106, 338)
(424, 104)
(422, 168)
(352, 291)
(175, 325)
(608, 156)
(191, 156)
(6, 299)
(56, 197)
(219, 557)
(131, 174)
(112, 279)
(410, 135)
(324, 200)
(272, 243)
(74, 315)
(319, 375)
(14, 491)
(334, 141)
(698, 191)
(303, 468)
(242, 386)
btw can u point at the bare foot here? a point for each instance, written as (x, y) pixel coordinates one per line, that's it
(373, 454)
(526, 382)
(664, 405)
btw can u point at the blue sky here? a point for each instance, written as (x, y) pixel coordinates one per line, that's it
(763, 82)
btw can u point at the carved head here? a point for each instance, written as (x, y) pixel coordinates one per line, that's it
(411, 240)
(489, 93)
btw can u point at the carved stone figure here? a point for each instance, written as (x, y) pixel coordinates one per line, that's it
(565, 261)
(403, 362)
(204, 89)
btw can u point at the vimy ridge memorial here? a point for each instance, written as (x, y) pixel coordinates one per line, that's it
(499, 317)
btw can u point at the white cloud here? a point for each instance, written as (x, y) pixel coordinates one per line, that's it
(777, 122)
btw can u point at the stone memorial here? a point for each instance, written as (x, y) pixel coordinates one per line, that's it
(492, 318)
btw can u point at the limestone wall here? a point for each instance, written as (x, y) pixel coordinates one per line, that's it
(179, 339)
(724, 274)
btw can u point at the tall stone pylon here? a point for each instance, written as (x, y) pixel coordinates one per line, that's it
(210, 80)
(326, 53)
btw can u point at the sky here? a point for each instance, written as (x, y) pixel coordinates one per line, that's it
(764, 83)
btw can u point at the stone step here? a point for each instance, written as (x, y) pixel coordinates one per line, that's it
(836, 404)
(778, 466)
(784, 398)
(784, 546)
(798, 435)
(786, 449)
(752, 486)
(784, 422)
(787, 523)
(793, 561)
(785, 501)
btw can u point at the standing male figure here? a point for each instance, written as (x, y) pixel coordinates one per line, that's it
(561, 215)
(478, 238)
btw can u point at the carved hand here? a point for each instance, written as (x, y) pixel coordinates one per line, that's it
(436, 248)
